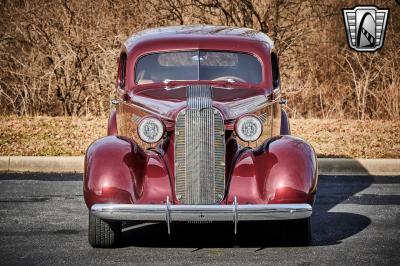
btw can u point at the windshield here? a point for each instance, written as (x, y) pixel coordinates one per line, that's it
(198, 65)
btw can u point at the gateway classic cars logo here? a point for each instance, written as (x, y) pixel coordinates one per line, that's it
(365, 27)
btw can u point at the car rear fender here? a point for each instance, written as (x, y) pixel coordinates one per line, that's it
(112, 129)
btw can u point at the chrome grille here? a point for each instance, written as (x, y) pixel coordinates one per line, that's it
(199, 150)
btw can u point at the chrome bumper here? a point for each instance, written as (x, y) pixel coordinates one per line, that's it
(170, 213)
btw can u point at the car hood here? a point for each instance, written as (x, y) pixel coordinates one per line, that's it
(167, 102)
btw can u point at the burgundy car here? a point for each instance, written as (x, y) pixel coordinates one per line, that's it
(198, 133)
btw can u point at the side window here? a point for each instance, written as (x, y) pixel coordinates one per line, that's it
(276, 79)
(121, 71)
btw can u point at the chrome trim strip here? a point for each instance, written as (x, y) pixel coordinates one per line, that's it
(233, 213)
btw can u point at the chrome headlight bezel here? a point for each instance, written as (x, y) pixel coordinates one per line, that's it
(151, 123)
(249, 119)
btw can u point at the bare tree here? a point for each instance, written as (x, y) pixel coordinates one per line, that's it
(57, 57)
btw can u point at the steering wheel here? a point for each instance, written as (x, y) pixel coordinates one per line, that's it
(229, 77)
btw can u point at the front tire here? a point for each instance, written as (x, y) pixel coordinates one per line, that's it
(103, 234)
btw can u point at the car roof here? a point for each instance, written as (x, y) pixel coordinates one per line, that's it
(198, 33)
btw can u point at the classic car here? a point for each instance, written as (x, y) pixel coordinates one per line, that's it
(198, 133)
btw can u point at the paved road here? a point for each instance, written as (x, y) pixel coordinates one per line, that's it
(43, 220)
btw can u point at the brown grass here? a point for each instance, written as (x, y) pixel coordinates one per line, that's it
(350, 138)
(45, 135)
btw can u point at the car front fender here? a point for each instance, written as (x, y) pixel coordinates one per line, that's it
(282, 170)
(117, 170)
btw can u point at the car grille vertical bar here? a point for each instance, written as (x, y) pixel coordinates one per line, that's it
(199, 150)
(180, 155)
(219, 153)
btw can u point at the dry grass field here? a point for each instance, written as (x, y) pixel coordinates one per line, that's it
(43, 135)
(350, 138)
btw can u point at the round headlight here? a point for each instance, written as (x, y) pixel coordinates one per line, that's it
(248, 128)
(150, 129)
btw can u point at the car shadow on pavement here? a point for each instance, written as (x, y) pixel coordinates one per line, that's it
(329, 226)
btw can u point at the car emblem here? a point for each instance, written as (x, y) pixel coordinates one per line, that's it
(365, 27)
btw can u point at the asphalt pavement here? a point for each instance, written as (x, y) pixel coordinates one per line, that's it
(43, 220)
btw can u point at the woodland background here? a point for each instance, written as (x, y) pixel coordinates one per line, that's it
(58, 57)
